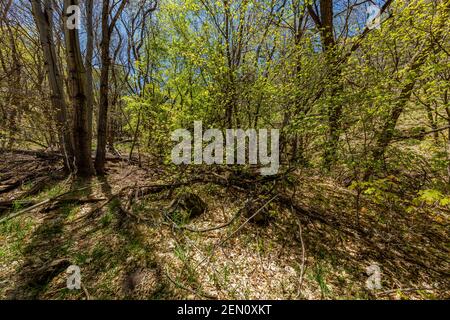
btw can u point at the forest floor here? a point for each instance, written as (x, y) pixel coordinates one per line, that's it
(311, 245)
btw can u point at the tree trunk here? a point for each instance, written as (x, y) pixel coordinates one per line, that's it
(44, 23)
(335, 110)
(77, 91)
(325, 24)
(104, 83)
(384, 137)
(102, 130)
(89, 56)
(326, 19)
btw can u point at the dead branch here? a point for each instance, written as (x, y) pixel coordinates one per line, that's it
(387, 292)
(224, 225)
(221, 242)
(419, 135)
(302, 268)
(197, 293)
(37, 205)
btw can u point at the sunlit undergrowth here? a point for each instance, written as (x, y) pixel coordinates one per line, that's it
(135, 251)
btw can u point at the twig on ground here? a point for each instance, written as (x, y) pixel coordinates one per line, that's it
(86, 292)
(247, 221)
(197, 293)
(387, 292)
(302, 267)
(221, 242)
(224, 225)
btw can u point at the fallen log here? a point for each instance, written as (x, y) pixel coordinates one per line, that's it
(56, 199)
(29, 177)
(8, 204)
(56, 155)
(35, 153)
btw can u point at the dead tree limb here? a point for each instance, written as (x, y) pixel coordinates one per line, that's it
(37, 205)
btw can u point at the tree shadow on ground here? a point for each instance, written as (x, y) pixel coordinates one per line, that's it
(141, 275)
(46, 254)
(106, 244)
(409, 252)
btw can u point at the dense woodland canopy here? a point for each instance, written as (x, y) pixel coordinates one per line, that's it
(341, 92)
(362, 105)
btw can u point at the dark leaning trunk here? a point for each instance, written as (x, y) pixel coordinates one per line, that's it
(77, 91)
(102, 130)
(89, 57)
(385, 136)
(100, 156)
(103, 114)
